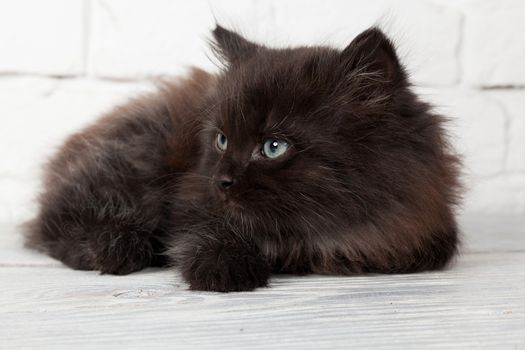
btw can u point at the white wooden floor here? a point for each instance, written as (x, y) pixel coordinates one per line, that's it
(478, 303)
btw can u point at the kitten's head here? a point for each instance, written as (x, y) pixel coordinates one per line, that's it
(312, 132)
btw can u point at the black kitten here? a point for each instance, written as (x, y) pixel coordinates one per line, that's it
(305, 160)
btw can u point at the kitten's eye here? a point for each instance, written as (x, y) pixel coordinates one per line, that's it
(273, 148)
(222, 142)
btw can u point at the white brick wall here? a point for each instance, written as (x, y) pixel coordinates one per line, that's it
(63, 62)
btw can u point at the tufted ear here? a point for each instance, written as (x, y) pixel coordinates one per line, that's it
(230, 46)
(372, 52)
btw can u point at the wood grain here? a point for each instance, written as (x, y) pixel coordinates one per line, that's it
(477, 303)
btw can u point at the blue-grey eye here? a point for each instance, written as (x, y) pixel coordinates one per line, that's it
(222, 141)
(274, 148)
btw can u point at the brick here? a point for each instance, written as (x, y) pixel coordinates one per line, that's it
(500, 194)
(310, 22)
(145, 40)
(42, 112)
(477, 125)
(44, 37)
(493, 43)
(17, 199)
(429, 37)
(426, 34)
(513, 102)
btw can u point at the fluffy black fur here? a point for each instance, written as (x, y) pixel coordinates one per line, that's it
(367, 184)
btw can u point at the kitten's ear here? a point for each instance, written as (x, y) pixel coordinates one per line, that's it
(372, 52)
(231, 46)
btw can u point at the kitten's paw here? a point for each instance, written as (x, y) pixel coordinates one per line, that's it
(122, 253)
(111, 253)
(226, 269)
(132, 261)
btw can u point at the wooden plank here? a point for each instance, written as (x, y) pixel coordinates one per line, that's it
(477, 303)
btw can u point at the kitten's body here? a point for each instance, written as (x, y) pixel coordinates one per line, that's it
(368, 183)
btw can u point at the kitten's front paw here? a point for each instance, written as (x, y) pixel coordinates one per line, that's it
(226, 269)
(122, 253)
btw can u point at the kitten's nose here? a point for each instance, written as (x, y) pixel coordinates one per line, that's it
(225, 182)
